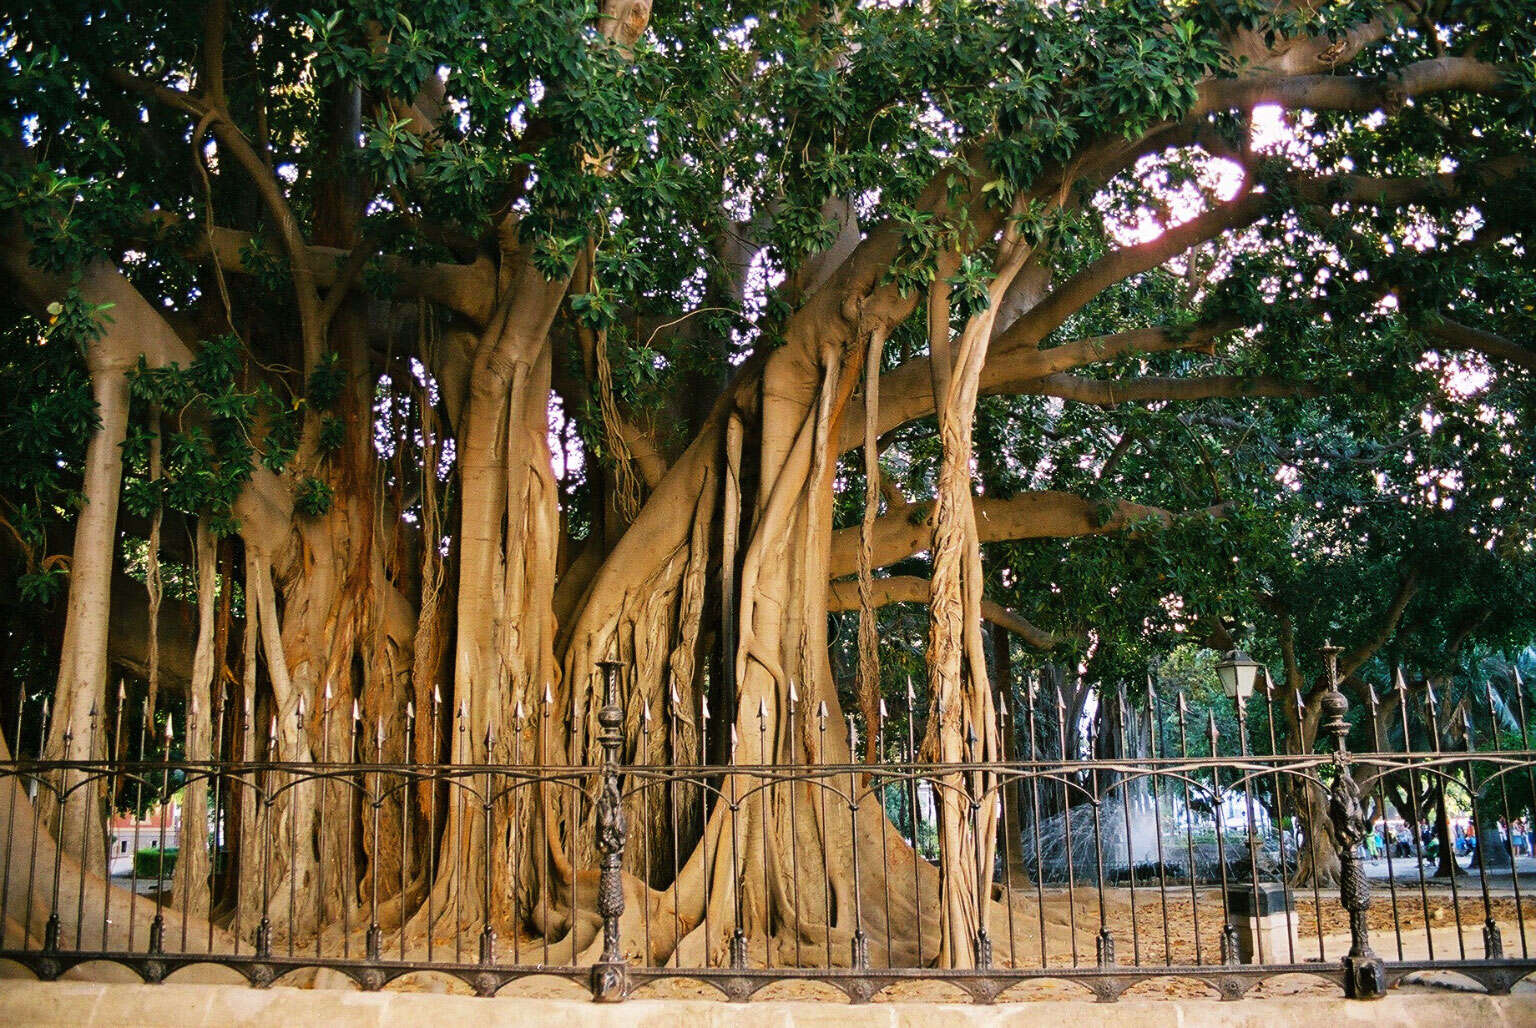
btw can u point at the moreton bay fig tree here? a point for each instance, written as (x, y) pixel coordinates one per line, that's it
(389, 359)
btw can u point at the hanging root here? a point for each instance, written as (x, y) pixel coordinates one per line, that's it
(869, 642)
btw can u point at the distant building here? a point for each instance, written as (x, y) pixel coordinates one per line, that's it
(126, 835)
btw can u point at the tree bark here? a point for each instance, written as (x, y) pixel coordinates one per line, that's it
(1448, 864)
(190, 885)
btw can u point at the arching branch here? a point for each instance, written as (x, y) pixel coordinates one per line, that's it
(905, 393)
(468, 289)
(1014, 360)
(1354, 93)
(268, 189)
(1108, 392)
(1035, 515)
(1350, 662)
(844, 595)
(1465, 337)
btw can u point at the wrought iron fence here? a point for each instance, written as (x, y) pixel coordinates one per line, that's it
(1137, 841)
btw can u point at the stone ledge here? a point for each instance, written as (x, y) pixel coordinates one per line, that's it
(85, 1004)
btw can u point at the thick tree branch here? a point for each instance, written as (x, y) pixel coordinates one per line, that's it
(844, 595)
(906, 392)
(1354, 93)
(1465, 337)
(469, 289)
(347, 275)
(1109, 392)
(1014, 361)
(211, 80)
(1248, 207)
(233, 141)
(1350, 662)
(1036, 515)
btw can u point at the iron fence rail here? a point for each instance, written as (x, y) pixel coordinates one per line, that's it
(1109, 871)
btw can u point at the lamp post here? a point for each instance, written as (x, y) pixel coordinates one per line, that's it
(1263, 909)
(1237, 672)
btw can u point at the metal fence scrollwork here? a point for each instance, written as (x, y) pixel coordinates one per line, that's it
(1131, 840)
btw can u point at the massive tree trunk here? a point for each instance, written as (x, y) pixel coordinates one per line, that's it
(786, 706)
(1317, 859)
(504, 657)
(1448, 864)
(784, 856)
(749, 505)
(963, 728)
(129, 330)
(191, 885)
(81, 692)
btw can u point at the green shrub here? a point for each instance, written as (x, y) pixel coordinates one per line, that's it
(146, 861)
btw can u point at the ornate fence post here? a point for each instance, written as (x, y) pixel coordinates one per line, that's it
(1104, 947)
(610, 975)
(1364, 973)
(974, 785)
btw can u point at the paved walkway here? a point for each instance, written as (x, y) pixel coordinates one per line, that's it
(83, 1004)
(1406, 870)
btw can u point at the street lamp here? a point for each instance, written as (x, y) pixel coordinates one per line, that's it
(1237, 673)
(1264, 910)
